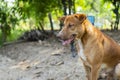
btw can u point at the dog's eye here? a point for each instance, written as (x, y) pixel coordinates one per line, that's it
(70, 25)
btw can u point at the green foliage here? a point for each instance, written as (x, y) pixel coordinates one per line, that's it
(116, 11)
(37, 9)
(8, 19)
(98, 8)
(88, 5)
(15, 34)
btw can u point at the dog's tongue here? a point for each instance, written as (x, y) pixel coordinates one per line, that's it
(67, 41)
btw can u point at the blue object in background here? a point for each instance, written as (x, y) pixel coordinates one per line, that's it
(91, 19)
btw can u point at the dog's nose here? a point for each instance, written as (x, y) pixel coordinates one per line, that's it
(58, 36)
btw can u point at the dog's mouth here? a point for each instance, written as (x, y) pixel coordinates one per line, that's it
(68, 41)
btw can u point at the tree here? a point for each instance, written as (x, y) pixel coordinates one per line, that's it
(68, 4)
(116, 4)
(38, 10)
(8, 18)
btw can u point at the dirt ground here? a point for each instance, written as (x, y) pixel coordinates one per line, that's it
(42, 60)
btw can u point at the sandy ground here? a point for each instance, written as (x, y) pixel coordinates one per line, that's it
(47, 60)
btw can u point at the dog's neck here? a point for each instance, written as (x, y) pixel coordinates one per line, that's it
(88, 37)
(81, 50)
(90, 30)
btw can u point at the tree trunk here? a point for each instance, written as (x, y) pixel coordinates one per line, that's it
(51, 23)
(4, 36)
(64, 6)
(69, 6)
(4, 33)
(74, 11)
(41, 26)
(116, 11)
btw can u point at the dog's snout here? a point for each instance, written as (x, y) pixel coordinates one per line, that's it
(59, 35)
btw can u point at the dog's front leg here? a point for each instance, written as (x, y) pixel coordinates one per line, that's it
(87, 68)
(95, 71)
(88, 71)
(91, 71)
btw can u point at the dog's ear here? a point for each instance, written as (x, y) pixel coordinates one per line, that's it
(62, 19)
(81, 17)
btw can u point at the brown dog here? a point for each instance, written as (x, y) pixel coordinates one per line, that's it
(95, 48)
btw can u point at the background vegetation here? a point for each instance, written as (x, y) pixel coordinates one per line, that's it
(18, 16)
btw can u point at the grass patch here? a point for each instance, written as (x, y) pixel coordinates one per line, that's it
(15, 34)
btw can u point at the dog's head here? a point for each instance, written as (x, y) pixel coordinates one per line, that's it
(72, 27)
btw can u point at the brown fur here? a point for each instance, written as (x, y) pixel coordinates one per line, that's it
(98, 48)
